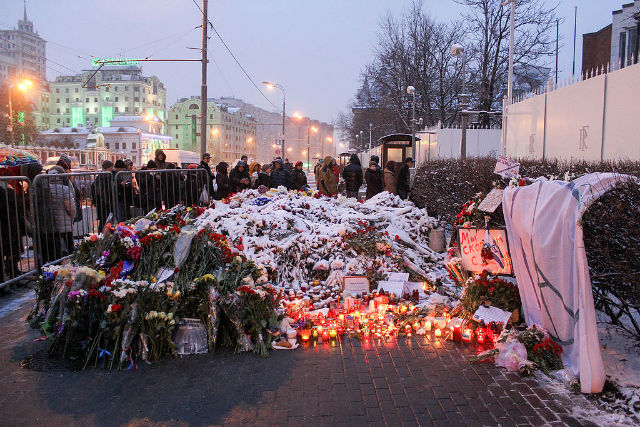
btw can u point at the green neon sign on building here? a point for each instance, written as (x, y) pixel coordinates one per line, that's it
(118, 62)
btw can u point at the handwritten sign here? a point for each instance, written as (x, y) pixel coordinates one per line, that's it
(472, 241)
(356, 284)
(492, 201)
(506, 167)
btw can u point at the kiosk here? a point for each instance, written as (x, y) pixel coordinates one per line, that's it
(396, 147)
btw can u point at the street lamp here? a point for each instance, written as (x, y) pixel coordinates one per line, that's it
(24, 85)
(458, 50)
(271, 85)
(412, 91)
(309, 129)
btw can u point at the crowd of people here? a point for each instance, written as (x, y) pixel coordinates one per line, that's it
(120, 192)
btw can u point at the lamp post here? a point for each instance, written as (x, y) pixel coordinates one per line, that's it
(458, 50)
(505, 105)
(412, 91)
(271, 85)
(309, 129)
(23, 86)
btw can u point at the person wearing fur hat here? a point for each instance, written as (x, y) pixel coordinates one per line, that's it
(298, 178)
(329, 175)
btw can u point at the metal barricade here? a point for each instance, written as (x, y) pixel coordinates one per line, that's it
(139, 192)
(67, 207)
(17, 261)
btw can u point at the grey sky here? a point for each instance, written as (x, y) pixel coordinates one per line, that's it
(315, 48)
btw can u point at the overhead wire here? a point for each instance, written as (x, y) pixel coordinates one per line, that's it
(236, 60)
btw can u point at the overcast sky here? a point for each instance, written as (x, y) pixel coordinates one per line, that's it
(314, 48)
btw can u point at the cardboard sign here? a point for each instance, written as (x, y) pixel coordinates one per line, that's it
(391, 287)
(507, 168)
(492, 201)
(356, 284)
(471, 241)
(491, 314)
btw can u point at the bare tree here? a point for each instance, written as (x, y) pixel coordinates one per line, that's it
(488, 27)
(412, 50)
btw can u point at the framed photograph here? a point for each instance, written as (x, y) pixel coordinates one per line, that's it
(356, 284)
(497, 259)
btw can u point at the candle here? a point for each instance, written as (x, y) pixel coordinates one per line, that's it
(457, 333)
(333, 333)
(438, 332)
(480, 335)
(416, 325)
(467, 335)
(325, 335)
(315, 334)
(305, 334)
(427, 326)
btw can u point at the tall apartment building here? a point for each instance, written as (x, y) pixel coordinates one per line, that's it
(94, 98)
(307, 140)
(268, 126)
(231, 132)
(22, 53)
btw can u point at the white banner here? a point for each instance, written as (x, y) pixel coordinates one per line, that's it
(550, 264)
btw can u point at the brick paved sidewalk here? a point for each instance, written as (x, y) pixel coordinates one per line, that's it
(403, 382)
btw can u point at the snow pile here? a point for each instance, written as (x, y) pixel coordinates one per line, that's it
(300, 237)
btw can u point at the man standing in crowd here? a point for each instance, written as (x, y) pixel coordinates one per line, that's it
(244, 158)
(204, 164)
(160, 159)
(404, 176)
(373, 178)
(298, 178)
(352, 176)
(102, 193)
(279, 175)
(288, 166)
(239, 177)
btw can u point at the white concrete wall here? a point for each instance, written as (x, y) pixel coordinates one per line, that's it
(594, 119)
(480, 142)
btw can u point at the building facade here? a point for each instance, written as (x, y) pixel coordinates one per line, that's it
(624, 34)
(268, 126)
(231, 132)
(94, 98)
(306, 140)
(596, 50)
(23, 53)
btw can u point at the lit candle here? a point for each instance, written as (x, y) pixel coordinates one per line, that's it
(438, 332)
(416, 325)
(325, 335)
(407, 329)
(305, 334)
(457, 333)
(333, 333)
(467, 335)
(480, 335)
(427, 326)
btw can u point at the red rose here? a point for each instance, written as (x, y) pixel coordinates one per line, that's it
(521, 183)
(116, 307)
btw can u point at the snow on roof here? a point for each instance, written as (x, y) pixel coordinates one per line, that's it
(66, 130)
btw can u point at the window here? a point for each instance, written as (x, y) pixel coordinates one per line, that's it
(137, 110)
(86, 100)
(58, 120)
(95, 109)
(67, 111)
(176, 126)
(126, 109)
(126, 88)
(177, 136)
(117, 110)
(57, 90)
(76, 90)
(211, 116)
(77, 99)
(117, 145)
(133, 147)
(58, 110)
(87, 109)
(623, 49)
(124, 145)
(136, 99)
(67, 101)
(95, 99)
(57, 100)
(115, 88)
(633, 46)
(116, 99)
(134, 159)
(126, 99)
(66, 90)
(176, 117)
(106, 89)
(108, 144)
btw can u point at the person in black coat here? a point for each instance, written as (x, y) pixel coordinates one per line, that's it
(149, 184)
(263, 177)
(222, 181)
(193, 185)
(102, 194)
(279, 175)
(204, 164)
(239, 177)
(287, 166)
(404, 186)
(352, 176)
(374, 179)
(170, 184)
(298, 178)
(12, 230)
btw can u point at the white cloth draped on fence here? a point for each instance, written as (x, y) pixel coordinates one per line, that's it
(550, 264)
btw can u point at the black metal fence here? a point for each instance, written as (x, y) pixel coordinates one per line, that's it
(41, 221)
